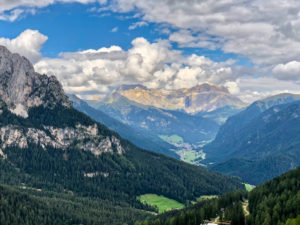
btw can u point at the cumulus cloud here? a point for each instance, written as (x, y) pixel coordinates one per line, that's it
(267, 32)
(155, 65)
(254, 88)
(288, 71)
(232, 87)
(28, 44)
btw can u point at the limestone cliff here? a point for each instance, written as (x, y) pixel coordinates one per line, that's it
(21, 90)
(201, 98)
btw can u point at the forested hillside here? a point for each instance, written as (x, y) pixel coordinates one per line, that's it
(276, 202)
(114, 176)
(225, 208)
(20, 206)
(259, 143)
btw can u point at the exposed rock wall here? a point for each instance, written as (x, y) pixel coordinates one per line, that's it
(86, 138)
(21, 88)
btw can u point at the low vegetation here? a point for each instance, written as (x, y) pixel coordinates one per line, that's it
(161, 203)
(173, 139)
(249, 187)
(295, 221)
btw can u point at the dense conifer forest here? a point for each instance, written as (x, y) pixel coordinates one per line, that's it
(276, 202)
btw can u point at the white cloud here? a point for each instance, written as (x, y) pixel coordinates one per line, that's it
(155, 65)
(232, 87)
(254, 88)
(12, 15)
(28, 44)
(138, 24)
(11, 9)
(115, 29)
(267, 32)
(288, 71)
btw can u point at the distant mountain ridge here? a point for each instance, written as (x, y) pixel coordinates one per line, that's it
(233, 126)
(204, 97)
(193, 129)
(260, 142)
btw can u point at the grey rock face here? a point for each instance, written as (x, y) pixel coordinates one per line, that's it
(62, 138)
(21, 87)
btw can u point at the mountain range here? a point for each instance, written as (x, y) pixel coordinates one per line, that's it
(200, 98)
(50, 148)
(260, 142)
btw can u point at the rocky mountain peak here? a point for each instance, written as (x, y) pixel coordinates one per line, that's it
(208, 88)
(200, 98)
(21, 87)
(126, 87)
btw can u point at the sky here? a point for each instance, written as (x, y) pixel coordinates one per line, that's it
(252, 47)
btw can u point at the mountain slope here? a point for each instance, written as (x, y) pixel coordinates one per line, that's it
(221, 115)
(138, 137)
(229, 133)
(275, 202)
(203, 97)
(158, 122)
(21, 206)
(46, 144)
(262, 143)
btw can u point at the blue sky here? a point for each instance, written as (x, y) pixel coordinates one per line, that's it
(237, 44)
(72, 27)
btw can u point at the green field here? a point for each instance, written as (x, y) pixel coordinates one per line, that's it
(162, 203)
(249, 187)
(173, 139)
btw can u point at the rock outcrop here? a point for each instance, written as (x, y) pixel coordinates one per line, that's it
(21, 89)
